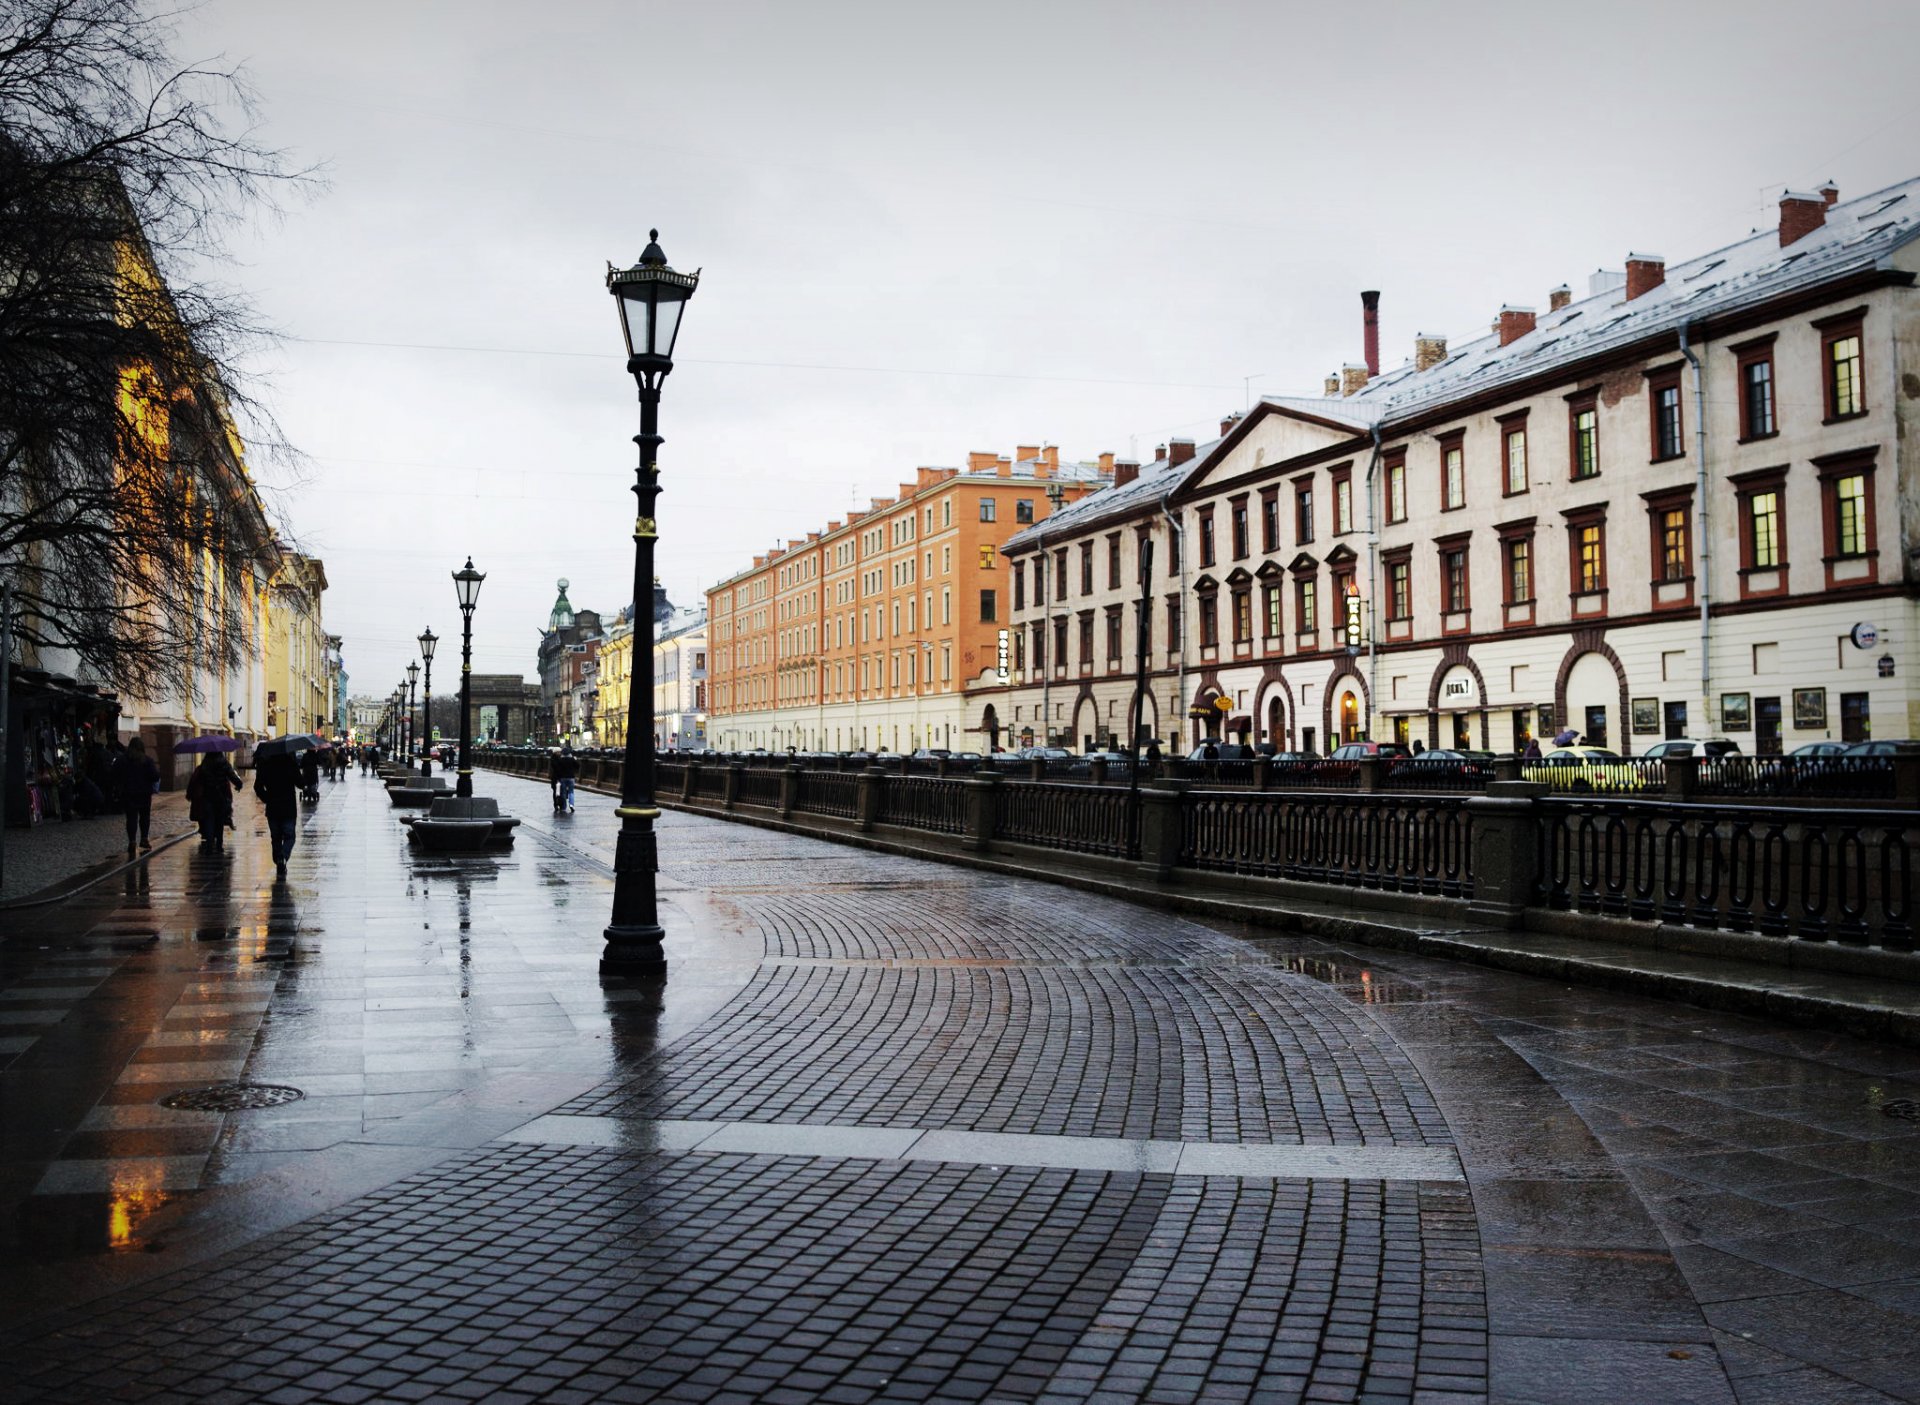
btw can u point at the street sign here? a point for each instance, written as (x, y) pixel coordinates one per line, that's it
(1865, 635)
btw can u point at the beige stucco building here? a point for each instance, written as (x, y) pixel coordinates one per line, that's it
(1680, 505)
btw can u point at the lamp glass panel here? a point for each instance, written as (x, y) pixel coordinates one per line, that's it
(636, 313)
(666, 324)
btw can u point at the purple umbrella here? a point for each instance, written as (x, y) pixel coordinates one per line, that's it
(215, 743)
(1565, 737)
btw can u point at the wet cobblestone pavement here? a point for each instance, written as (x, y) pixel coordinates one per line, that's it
(896, 1131)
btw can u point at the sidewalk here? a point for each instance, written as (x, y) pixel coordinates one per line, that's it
(894, 1130)
(55, 853)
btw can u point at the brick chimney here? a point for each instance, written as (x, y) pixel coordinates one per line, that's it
(1830, 193)
(1513, 324)
(1352, 377)
(1428, 350)
(1052, 455)
(1179, 450)
(1800, 215)
(1559, 297)
(1645, 272)
(981, 460)
(1159, 451)
(1106, 463)
(1370, 321)
(1124, 472)
(1333, 387)
(1227, 424)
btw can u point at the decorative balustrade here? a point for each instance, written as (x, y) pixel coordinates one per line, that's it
(1389, 842)
(1815, 875)
(830, 793)
(1086, 819)
(920, 802)
(1841, 875)
(758, 787)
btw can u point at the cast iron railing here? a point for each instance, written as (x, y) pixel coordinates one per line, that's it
(1813, 874)
(830, 793)
(1086, 819)
(759, 788)
(921, 802)
(1391, 842)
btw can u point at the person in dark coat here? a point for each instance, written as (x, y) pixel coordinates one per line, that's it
(310, 773)
(276, 780)
(210, 799)
(137, 778)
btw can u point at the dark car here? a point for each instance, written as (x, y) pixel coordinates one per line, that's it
(1441, 768)
(1223, 751)
(1343, 763)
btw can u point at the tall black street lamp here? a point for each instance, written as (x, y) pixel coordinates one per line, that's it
(413, 696)
(428, 642)
(466, 584)
(651, 298)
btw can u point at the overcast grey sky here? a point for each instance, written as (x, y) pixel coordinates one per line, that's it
(928, 229)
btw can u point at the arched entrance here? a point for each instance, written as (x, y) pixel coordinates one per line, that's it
(990, 724)
(1460, 710)
(1593, 706)
(1347, 713)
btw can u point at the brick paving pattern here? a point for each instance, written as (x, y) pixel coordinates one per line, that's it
(1658, 1203)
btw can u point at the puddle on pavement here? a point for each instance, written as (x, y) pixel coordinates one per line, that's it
(81, 1226)
(1359, 983)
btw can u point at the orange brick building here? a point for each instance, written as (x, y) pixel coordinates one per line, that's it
(870, 633)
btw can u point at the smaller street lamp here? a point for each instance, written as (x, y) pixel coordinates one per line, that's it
(413, 695)
(466, 586)
(428, 642)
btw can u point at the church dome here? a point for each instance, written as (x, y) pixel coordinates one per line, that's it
(562, 614)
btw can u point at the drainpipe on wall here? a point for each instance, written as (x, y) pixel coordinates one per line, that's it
(1373, 585)
(1177, 534)
(1702, 536)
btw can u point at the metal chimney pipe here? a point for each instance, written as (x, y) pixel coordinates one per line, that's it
(1370, 300)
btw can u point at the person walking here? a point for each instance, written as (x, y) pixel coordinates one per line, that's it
(560, 774)
(310, 774)
(137, 778)
(210, 799)
(276, 781)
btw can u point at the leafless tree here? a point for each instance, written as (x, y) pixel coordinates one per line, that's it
(129, 528)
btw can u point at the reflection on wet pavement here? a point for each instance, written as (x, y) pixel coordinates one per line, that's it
(1181, 1156)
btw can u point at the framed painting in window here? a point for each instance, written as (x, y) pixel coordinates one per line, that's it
(1646, 716)
(1736, 712)
(1809, 707)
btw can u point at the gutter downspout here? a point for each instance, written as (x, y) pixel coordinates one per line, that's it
(1177, 535)
(1373, 584)
(1703, 537)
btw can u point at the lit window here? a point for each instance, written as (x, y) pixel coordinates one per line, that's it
(1845, 395)
(1519, 571)
(1397, 491)
(1270, 604)
(1342, 505)
(1850, 515)
(986, 557)
(1589, 555)
(1242, 616)
(1673, 544)
(1763, 528)
(1453, 478)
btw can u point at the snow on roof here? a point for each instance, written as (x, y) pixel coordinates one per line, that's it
(1155, 481)
(1857, 235)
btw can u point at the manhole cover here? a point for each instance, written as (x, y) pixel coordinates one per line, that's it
(233, 1097)
(1902, 1107)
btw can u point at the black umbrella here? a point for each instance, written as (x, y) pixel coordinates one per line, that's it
(285, 746)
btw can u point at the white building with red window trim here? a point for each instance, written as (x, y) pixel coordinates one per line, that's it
(1681, 505)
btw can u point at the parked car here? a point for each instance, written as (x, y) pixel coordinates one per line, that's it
(1343, 762)
(1585, 768)
(1223, 751)
(1441, 767)
(1886, 748)
(1812, 749)
(1706, 749)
